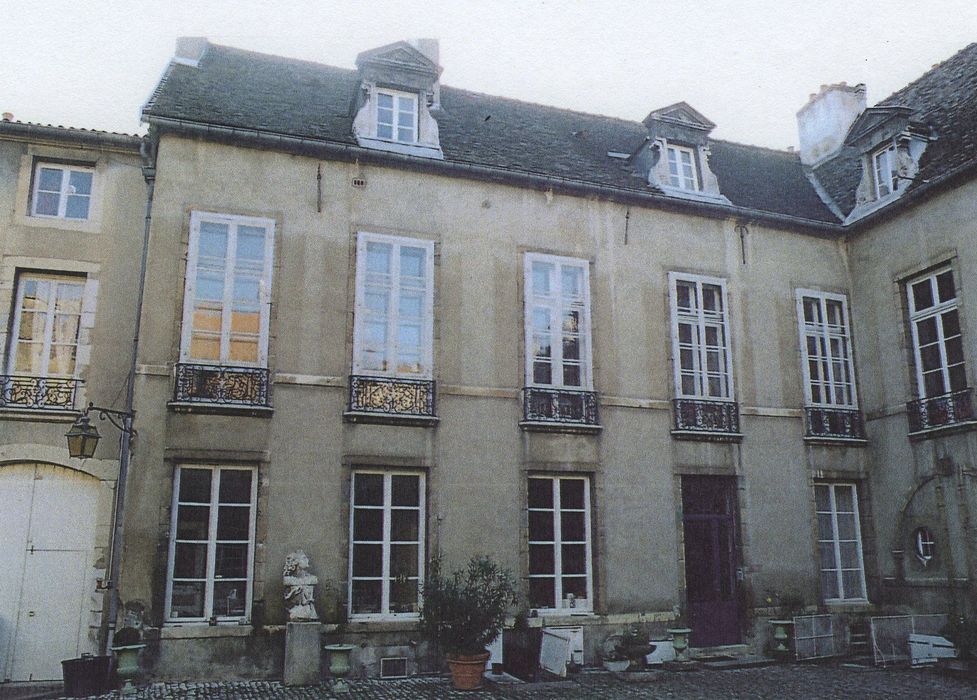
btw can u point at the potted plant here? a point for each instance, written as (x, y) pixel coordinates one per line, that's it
(615, 661)
(634, 646)
(464, 612)
(127, 644)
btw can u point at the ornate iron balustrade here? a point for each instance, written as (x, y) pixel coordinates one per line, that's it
(837, 423)
(564, 406)
(220, 385)
(37, 393)
(391, 396)
(940, 411)
(706, 416)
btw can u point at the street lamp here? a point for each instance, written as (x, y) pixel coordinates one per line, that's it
(82, 438)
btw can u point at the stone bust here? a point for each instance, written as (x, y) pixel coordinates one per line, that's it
(299, 583)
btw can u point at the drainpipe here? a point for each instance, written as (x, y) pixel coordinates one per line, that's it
(109, 623)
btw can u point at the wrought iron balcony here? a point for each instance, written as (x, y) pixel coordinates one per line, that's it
(391, 399)
(706, 419)
(940, 411)
(559, 408)
(219, 385)
(37, 393)
(834, 423)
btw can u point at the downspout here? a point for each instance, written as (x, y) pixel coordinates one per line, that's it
(147, 151)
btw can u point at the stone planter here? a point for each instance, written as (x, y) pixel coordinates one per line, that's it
(339, 666)
(680, 642)
(127, 666)
(616, 666)
(782, 632)
(467, 672)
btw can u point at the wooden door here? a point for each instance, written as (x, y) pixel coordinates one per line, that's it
(709, 518)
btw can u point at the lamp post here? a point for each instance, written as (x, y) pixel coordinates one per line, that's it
(82, 440)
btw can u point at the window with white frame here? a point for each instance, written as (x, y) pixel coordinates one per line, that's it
(396, 116)
(937, 340)
(46, 321)
(840, 542)
(681, 168)
(558, 322)
(62, 191)
(227, 301)
(211, 543)
(829, 378)
(394, 325)
(386, 558)
(560, 573)
(700, 337)
(884, 169)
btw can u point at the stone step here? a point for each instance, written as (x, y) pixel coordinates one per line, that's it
(748, 661)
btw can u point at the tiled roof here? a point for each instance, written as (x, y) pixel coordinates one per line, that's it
(237, 88)
(945, 99)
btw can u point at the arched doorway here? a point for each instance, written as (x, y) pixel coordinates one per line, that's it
(48, 522)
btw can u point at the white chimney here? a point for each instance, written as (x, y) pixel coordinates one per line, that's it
(189, 50)
(431, 49)
(824, 121)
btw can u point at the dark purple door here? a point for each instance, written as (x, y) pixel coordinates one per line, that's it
(709, 520)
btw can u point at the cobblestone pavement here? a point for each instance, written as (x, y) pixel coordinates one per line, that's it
(797, 682)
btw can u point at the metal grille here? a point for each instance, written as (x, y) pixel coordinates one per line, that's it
(560, 406)
(703, 416)
(221, 385)
(890, 635)
(939, 411)
(813, 637)
(391, 396)
(841, 423)
(37, 393)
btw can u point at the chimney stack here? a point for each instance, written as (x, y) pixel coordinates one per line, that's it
(824, 121)
(190, 49)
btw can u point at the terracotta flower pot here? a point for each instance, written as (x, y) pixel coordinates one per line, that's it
(466, 671)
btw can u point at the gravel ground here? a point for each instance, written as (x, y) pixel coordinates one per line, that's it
(794, 681)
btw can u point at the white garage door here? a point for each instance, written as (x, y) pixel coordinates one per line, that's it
(47, 535)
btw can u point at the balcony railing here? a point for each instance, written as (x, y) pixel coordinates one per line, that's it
(564, 407)
(391, 397)
(220, 385)
(707, 419)
(37, 393)
(834, 423)
(940, 411)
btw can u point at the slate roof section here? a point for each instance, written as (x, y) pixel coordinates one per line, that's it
(243, 89)
(944, 98)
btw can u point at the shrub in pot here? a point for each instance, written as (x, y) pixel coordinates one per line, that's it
(464, 611)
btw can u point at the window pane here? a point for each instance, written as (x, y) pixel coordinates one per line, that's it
(190, 560)
(822, 498)
(403, 596)
(577, 585)
(80, 182)
(233, 523)
(367, 596)
(368, 524)
(231, 560)
(852, 581)
(541, 278)
(542, 593)
(540, 526)
(230, 598)
(405, 490)
(951, 323)
(844, 499)
(213, 240)
(541, 493)
(826, 552)
(922, 295)
(829, 584)
(378, 257)
(368, 489)
(574, 559)
(76, 207)
(541, 559)
(46, 204)
(195, 485)
(571, 375)
(412, 262)
(944, 286)
(367, 560)
(49, 179)
(571, 493)
(187, 599)
(404, 525)
(572, 282)
(235, 486)
(193, 523)
(403, 560)
(542, 373)
(572, 528)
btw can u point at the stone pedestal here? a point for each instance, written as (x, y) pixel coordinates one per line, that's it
(302, 646)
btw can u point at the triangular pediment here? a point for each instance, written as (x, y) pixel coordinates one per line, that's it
(874, 118)
(400, 56)
(680, 114)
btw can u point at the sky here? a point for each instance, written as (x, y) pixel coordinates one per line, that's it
(747, 65)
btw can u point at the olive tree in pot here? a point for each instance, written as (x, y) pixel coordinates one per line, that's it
(463, 612)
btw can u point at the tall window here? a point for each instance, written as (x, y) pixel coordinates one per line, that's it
(884, 168)
(211, 543)
(386, 557)
(394, 306)
(47, 316)
(681, 168)
(700, 337)
(558, 322)
(840, 542)
(397, 116)
(560, 575)
(829, 379)
(937, 341)
(62, 191)
(228, 290)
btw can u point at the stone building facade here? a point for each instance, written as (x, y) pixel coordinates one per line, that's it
(659, 376)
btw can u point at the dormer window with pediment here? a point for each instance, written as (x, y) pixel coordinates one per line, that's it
(676, 154)
(398, 98)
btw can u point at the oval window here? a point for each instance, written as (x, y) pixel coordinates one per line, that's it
(924, 545)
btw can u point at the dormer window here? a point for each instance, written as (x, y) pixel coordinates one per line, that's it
(681, 168)
(397, 116)
(884, 167)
